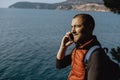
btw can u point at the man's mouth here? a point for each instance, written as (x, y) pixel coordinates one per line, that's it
(75, 34)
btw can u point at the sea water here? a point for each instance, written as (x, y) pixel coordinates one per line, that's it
(30, 39)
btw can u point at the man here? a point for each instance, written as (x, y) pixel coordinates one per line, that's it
(82, 27)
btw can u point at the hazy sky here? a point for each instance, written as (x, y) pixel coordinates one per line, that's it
(6, 3)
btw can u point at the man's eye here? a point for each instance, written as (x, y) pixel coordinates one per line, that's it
(78, 25)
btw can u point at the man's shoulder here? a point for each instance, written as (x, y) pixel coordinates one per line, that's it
(98, 53)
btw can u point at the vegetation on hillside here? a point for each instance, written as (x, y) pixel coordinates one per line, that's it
(115, 52)
(114, 5)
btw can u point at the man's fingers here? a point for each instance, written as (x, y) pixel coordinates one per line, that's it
(69, 43)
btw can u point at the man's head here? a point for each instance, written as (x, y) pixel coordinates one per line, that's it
(82, 27)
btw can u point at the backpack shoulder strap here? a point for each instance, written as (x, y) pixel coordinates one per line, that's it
(90, 51)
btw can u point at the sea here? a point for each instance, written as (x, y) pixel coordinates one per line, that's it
(30, 39)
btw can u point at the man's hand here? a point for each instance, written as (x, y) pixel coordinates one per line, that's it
(66, 41)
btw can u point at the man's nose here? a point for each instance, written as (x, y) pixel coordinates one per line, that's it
(73, 29)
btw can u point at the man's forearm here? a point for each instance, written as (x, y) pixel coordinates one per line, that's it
(61, 53)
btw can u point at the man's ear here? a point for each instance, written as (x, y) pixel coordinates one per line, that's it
(85, 31)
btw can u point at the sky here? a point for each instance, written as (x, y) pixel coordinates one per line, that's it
(6, 3)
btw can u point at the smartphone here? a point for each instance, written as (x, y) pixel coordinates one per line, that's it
(71, 37)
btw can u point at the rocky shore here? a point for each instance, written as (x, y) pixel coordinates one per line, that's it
(91, 7)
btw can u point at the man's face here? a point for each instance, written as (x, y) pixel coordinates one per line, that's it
(78, 29)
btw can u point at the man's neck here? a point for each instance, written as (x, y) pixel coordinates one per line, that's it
(79, 43)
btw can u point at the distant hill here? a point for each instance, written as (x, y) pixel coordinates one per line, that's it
(93, 5)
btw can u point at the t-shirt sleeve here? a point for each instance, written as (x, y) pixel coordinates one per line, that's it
(95, 66)
(63, 62)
